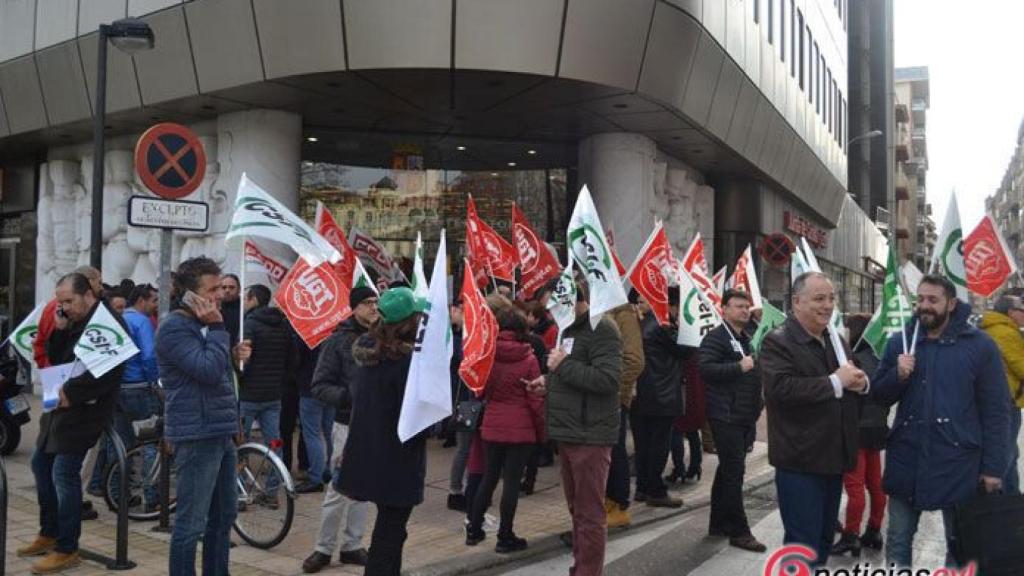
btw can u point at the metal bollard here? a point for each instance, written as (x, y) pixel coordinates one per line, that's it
(3, 516)
(120, 561)
(165, 488)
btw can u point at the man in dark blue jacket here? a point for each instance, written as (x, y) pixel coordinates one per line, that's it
(734, 404)
(951, 432)
(200, 418)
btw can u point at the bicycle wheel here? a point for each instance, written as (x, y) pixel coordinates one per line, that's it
(143, 482)
(266, 498)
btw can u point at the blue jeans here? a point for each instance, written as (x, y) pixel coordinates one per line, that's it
(809, 505)
(903, 520)
(269, 415)
(1011, 483)
(59, 491)
(316, 419)
(207, 505)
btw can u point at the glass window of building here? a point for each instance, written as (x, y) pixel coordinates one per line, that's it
(392, 205)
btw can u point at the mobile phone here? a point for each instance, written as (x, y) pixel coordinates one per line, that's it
(190, 299)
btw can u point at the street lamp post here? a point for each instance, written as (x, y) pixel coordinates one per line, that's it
(130, 35)
(865, 136)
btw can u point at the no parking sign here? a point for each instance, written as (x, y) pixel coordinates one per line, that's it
(170, 160)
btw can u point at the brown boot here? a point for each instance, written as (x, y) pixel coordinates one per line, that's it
(618, 516)
(40, 546)
(56, 561)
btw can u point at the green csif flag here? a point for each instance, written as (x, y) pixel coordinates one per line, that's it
(771, 318)
(892, 314)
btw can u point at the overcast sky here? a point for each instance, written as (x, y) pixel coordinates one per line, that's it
(972, 50)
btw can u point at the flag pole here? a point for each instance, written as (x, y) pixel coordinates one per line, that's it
(241, 303)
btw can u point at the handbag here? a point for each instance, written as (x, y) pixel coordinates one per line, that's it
(989, 529)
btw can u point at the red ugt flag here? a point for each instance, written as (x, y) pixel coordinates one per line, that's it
(987, 259)
(488, 251)
(536, 262)
(327, 227)
(479, 336)
(649, 274)
(315, 300)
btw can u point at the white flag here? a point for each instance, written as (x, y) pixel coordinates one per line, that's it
(428, 390)
(419, 280)
(744, 278)
(25, 334)
(719, 279)
(911, 277)
(105, 343)
(361, 278)
(697, 315)
(260, 214)
(589, 247)
(562, 302)
(948, 259)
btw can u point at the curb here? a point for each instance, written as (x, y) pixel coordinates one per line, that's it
(552, 543)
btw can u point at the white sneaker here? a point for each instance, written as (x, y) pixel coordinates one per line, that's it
(490, 523)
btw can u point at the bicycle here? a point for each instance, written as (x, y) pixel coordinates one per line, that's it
(263, 519)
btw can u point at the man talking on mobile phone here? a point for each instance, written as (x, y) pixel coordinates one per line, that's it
(201, 417)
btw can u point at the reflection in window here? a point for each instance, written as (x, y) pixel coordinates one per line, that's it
(393, 205)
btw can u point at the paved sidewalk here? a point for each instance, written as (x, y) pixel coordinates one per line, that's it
(435, 546)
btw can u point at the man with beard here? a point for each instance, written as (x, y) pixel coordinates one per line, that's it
(230, 304)
(950, 436)
(813, 412)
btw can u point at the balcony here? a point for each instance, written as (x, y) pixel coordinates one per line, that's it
(902, 153)
(902, 116)
(919, 107)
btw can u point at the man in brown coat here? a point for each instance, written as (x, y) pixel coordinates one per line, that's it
(812, 415)
(617, 492)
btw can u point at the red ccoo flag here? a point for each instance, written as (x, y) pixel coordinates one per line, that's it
(314, 299)
(649, 274)
(479, 336)
(987, 259)
(488, 251)
(536, 263)
(327, 227)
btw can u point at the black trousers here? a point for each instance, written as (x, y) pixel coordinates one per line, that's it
(655, 435)
(289, 420)
(389, 534)
(727, 514)
(679, 452)
(505, 461)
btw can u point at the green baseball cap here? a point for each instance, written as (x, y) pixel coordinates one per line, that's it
(397, 304)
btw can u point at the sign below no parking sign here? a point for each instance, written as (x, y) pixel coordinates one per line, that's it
(170, 160)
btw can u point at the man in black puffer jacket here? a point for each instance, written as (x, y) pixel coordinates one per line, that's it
(734, 403)
(659, 400)
(331, 385)
(263, 376)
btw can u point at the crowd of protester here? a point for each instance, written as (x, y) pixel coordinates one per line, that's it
(606, 402)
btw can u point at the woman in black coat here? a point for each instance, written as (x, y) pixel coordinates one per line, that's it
(375, 466)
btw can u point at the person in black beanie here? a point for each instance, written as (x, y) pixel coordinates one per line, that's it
(331, 386)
